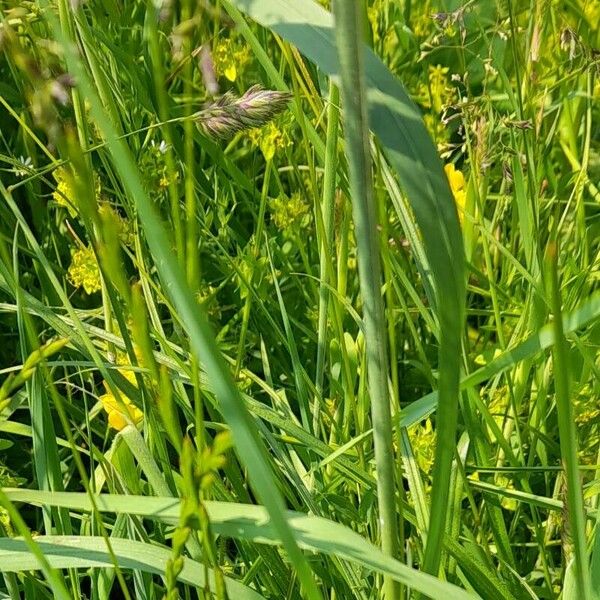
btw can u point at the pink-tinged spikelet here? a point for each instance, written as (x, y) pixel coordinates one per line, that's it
(230, 115)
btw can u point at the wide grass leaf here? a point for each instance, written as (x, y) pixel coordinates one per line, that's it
(398, 125)
(251, 523)
(80, 552)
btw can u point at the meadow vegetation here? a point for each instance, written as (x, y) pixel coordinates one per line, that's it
(299, 300)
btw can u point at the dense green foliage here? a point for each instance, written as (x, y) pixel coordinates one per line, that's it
(216, 287)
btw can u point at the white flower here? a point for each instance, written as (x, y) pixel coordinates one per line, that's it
(162, 147)
(24, 168)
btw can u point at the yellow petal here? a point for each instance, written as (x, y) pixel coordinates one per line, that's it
(109, 402)
(231, 72)
(455, 178)
(116, 420)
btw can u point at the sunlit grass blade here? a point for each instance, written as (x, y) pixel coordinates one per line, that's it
(83, 552)
(249, 522)
(567, 430)
(396, 121)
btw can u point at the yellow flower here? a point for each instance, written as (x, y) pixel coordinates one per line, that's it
(116, 416)
(504, 482)
(83, 271)
(270, 139)
(230, 57)
(442, 94)
(592, 11)
(116, 411)
(153, 163)
(422, 23)
(288, 212)
(587, 406)
(373, 14)
(422, 440)
(457, 184)
(64, 194)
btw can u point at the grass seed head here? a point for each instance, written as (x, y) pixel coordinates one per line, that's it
(229, 115)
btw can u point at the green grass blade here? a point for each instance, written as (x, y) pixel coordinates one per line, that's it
(349, 43)
(396, 121)
(249, 522)
(567, 430)
(78, 552)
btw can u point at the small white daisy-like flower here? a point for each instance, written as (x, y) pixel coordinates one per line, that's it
(24, 168)
(162, 147)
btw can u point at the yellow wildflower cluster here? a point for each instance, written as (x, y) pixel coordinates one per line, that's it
(289, 212)
(64, 194)
(230, 56)
(435, 96)
(421, 21)
(422, 440)
(592, 11)
(84, 271)
(442, 94)
(457, 184)
(587, 406)
(118, 411)
(153, 163)
(374, 11)
(270, 139)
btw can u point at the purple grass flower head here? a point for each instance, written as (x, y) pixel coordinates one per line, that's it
(229, 115)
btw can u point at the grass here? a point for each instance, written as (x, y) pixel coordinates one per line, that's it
(252, 350)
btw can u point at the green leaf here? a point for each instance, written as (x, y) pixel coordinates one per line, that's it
(252, 523)
(396, 121)
(79, 552)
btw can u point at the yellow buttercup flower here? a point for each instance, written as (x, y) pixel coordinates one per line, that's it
(117, 411)
(458, 186)
(84, 271)
(116, 416)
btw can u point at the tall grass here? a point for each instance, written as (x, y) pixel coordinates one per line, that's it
(312, 339)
